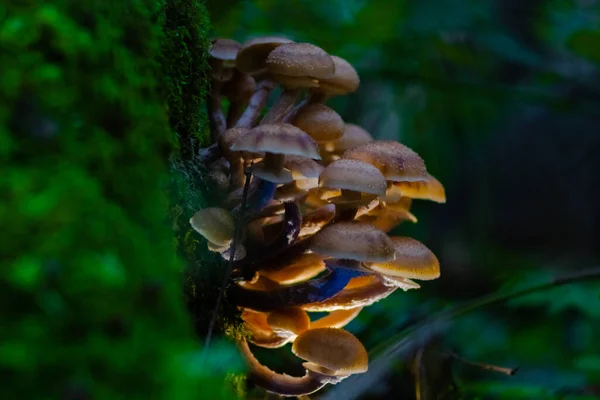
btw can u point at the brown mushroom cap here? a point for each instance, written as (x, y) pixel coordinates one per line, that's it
(413, 261)
(321, 370)
(215, 224)
(293, 320)
(225, 50)
(344, 81)
(320, 122)
(305, 171)
(300, 60)
(305, 267)
(355, 241)
(278, 139)
(353, 175)
(428, 189)
(229, 137)
(253, 54)
(332, 348)
(353, 136)
(395, 161)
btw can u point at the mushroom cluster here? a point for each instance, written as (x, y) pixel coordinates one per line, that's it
(314, 198)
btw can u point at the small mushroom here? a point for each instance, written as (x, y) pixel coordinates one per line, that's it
(354, 241)
(306, 267)
(413, 261)
(344, 81)
(222, 61)
(305, 171)
(236, 170)
(276, 141)
(320, 122)
(215, 224)
(332, 348)
(295, 66)
(353, 136)
(353, 178)
(396, 162)
(281, 384)
(428, 189)
(275, 329)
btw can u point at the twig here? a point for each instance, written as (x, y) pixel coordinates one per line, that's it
(232, 251)
(490, 367)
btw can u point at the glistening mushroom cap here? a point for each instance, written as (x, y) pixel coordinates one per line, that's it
(278, 139)
(353, 175)
(320, 122)
(428, 189)
(215, 224)
(353, 136)
(395, 161)
(413, 261)
(253, 54)
(345, 80)
(293, 320)
(332, 348)
(300, 60)
(354, 241)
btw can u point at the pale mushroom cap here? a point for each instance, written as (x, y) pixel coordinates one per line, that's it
(353, 175)
(332, 348)
(215, 224)
(320, 122)
(428, 189)
(293, 320)
(253, 54)
(355, 241)
(300, 60)
(395, 161)
(353, 136)
(278, 139)
(225, 50)
(303, 167)
(345, 80)
(413, 261)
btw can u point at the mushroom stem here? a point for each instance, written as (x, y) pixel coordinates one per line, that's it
(215, 112)
(313, 291)
(282, 106)
(236, 110)
(281, 384)
(256, 104)
(313, 97)
(274, 162)
(347, 213)
(356, 297)
(210, 154)
(236, 172)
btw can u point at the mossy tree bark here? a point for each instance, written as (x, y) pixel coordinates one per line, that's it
(100, 109)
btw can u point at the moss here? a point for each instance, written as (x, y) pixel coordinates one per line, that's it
(90, 288)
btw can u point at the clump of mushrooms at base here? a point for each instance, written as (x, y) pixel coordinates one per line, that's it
(316, 210)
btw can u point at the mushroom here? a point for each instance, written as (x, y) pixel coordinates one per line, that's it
(353, 178)
(320, 122)
(336, 319)
(353, 136)
(413, 261)
(215, 224)
(335, 349)
(306, 267)
(305, 171)
(396, 162)
(427, 189)
(354, 241)
(281, 384)
(276, 328)
(276, 141)
(295, 66)
(236, 169)
(222, 60)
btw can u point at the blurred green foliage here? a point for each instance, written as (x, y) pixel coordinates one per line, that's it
(502, 100)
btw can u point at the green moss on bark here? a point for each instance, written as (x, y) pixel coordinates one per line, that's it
(90, 285)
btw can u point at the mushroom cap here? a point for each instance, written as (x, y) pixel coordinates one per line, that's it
(353, 175)
(402, 283)
(413, 261)
(313, 221)
(215, 224)
(253, 54)
(303, 268)
(354, 241)
(300, 60)
(278, 139)
(395, 161)
(353, 136)
(294, 320)
(344, 81)
(289, 192)
(229, 137)
(335, 349)
(225, 50)
(428, 189)
(320, 122)
(303, 167)
(311, 366)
